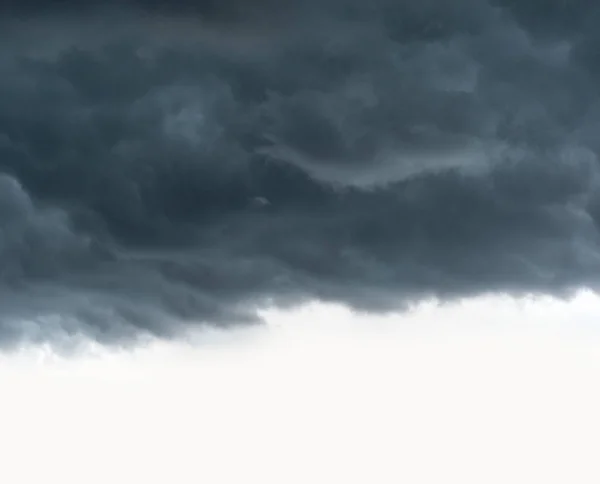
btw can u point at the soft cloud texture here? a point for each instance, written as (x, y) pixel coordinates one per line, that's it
(167, 165)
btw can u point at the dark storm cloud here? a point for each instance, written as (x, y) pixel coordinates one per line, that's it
(164, 165)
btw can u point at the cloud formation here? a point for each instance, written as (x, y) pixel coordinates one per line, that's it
(166, 165)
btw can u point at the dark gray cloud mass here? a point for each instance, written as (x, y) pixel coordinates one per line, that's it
(164, 165)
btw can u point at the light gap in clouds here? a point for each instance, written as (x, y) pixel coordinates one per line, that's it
(491, 390)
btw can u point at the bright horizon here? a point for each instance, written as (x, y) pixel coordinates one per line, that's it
(489, 390)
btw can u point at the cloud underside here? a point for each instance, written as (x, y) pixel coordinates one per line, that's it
(169, 166)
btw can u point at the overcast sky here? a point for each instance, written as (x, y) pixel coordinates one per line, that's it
(165, 166)
(299, 241)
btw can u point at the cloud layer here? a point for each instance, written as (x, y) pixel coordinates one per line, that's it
(163, 166)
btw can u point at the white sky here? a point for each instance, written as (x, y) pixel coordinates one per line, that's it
(489, 391)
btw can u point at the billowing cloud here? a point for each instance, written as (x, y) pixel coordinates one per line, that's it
(163, 166)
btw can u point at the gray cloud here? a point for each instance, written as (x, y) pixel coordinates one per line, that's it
(188, 165)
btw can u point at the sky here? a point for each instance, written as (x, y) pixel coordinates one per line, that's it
(317, 240)
(319, 395)
(167, 166)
